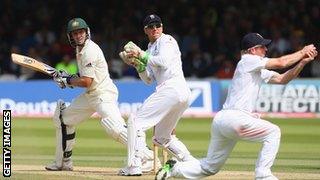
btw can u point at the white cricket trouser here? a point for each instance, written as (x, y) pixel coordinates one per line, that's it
(163, 110)
(84, 106)
(228, 127)
(79, 110)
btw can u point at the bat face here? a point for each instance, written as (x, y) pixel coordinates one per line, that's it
(27, 60)
(33, 64)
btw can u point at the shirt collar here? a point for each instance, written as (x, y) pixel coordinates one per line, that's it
(156, 42)
(85, 45)
(246, 55)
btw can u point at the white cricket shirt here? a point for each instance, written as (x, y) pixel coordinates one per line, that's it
(91, 63)
(246, 82)
(165, 59)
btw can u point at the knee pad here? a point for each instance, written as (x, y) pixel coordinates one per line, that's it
(68, 140)
(137, 147)
(65, 135)
(116, 129)
(175, 147)
(57, 116)
(147, 153)
(131, 143)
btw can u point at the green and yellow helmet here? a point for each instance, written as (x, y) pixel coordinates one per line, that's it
(75, 24)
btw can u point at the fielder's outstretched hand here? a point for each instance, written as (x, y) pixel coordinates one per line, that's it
(310, 56)
(309, 51)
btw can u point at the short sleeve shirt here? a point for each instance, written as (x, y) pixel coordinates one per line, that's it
(246, 82)
(91, 63)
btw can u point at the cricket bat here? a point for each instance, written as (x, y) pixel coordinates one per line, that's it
(33, 64)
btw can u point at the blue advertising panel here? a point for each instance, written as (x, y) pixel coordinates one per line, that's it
(38, 98)
(33, 98)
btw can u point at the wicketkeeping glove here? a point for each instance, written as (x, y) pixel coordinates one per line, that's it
(124, 56)
(140, 54)
(132, 61)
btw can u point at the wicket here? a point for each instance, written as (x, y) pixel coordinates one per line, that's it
(156, 154)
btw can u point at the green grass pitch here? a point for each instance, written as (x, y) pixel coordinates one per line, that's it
(33, 142)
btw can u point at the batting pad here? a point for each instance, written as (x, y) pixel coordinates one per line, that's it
(132, 134)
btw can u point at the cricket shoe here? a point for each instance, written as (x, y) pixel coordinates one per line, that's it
(130, 171)
(147, 165)
(66, 166)
(165, 171)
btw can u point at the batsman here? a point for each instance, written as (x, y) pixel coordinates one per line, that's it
(100, 96)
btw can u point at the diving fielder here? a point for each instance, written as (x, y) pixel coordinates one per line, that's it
(162, 109)
(236, 121)
(100, 96)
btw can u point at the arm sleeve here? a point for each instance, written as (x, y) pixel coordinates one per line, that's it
(88, 64)
(255, 63)
(167, 50)
(266, 75)
(147, 76)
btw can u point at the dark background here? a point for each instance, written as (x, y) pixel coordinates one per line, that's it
(208, 32)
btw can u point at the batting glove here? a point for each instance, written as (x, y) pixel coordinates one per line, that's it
(62, 78)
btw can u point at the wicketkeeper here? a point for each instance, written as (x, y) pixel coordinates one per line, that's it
(162, 109)
(100, 96)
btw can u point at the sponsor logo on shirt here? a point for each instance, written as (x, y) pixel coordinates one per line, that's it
(89, 65)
